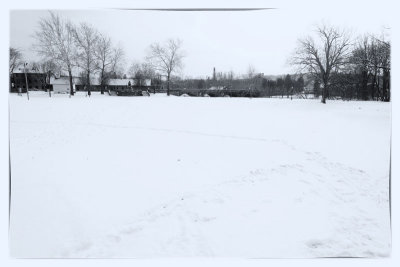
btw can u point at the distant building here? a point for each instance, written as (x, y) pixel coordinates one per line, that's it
(36, 81)
(216, 87)
(258, 75)
(309, 87)
(114, 84)
(142, 82)
(119, 83)
(61, 85)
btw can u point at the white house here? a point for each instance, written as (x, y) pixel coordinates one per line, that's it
(61, 84)
(146, 82)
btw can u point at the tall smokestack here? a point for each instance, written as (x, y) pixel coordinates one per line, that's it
(214, 76)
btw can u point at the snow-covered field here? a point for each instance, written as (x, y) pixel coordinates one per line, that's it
(210, 177)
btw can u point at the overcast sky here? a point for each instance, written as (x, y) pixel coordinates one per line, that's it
(224, 40)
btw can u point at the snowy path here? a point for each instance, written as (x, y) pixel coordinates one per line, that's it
(187, 177)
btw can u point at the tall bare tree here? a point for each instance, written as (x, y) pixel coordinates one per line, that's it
(141, 71)
(323, 56)
(230, 75)
(46, 66)
(86, 38)
(117, 60)
(288, 84)
(104, 56)
(383, 49)
(371, 60)
(251, 72)
(166, 59)
(55, 41)
(15, 59)
(360, 58)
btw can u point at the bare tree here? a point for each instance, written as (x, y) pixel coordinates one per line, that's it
(373, 62)
(166, 59)
(385, 63)
(86, 38)
(231, 75)
(134, 70)
(104, 56)
(251, 72)
(326, 55)
(288, 84)
(117, 60)
(371, 59)
(46, 66)
(15, 59)
(141, 72)
(55, 41)
(360, 58)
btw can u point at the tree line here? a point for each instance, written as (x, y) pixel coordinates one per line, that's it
(256, 84)
(340, 66)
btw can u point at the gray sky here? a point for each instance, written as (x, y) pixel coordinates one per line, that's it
(224, 40)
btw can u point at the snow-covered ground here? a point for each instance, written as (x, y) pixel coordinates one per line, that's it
(181, 177)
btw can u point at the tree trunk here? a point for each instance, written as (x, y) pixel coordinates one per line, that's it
(373, 86)
(385, 84)
(324, 93)
(71, 87)
(168, 84)
(88, 79)
(364, 86)
(102, 82)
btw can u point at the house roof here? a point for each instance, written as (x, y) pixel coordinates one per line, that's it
(28, 71)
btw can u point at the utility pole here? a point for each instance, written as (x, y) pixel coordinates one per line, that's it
(26, 80)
